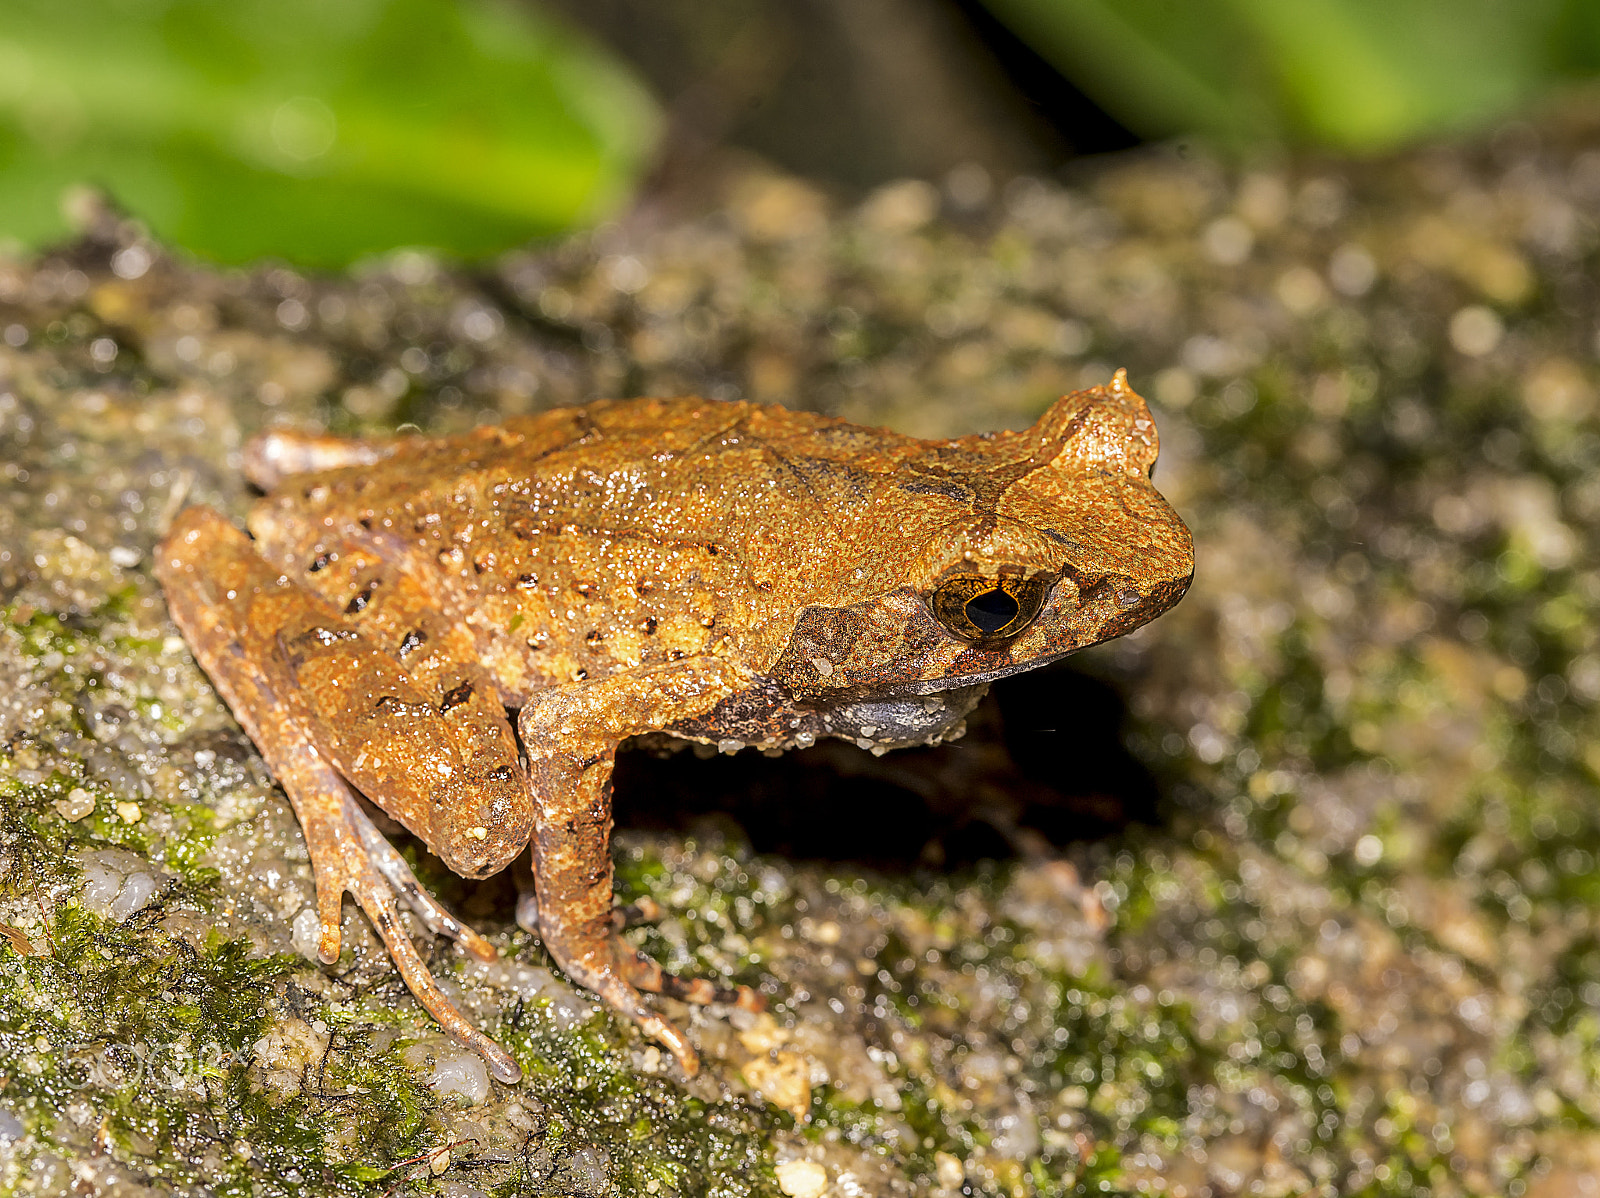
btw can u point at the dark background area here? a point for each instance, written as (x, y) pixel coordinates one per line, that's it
(1044, 764)
(853, 92)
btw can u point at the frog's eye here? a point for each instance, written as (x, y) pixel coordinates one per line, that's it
(987, 609)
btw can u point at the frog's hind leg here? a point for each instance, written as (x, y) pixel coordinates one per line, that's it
(229, 604)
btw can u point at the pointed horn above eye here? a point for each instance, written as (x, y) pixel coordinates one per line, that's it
(1105, 426)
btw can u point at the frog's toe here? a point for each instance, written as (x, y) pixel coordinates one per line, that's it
(640, 911)
(386, 918)
(433, 914)
(376, 874)
(620, 993)
(646, 975)
(606, 967)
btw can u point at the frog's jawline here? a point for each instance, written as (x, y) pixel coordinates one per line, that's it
(767, 716)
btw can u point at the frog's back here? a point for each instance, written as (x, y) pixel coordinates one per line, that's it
(340, 477)
(591, 539)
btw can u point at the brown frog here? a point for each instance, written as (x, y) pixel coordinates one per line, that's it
(464, 629)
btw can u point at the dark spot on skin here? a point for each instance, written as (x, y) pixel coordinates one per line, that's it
(527, 581)
(676, 655)
(947, 490)
(582, 674)
(649, 626)
(413, 640)
(388, 703)
(455, 697)
(502, 773)
(593, 637)
(584, 588)
(483, 562)
(361, 599)
(763, 585)
(713, 550)
(644, 586)
(320, 562)
(365, 522)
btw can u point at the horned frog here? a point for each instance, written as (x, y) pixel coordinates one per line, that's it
(464, 629)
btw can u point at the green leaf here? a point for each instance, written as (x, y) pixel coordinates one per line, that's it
(1354, 74)
(311, 130)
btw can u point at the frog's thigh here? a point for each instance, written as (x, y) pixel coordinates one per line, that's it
(405, 709)
(229, 604)
(571, 735)
(465, 796)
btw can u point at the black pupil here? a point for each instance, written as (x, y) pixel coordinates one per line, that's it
(991, 611)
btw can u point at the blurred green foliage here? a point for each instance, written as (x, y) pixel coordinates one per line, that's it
(1362, 75)
(314, 131)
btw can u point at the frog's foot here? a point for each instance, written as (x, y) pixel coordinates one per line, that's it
(370, 869)
(606, 970)
(618, 973)
(640, 971)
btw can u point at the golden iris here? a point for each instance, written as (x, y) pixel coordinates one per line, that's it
(988, 609)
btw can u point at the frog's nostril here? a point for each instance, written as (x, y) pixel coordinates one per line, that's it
(991, 611)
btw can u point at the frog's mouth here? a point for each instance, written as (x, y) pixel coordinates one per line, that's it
(765, 718)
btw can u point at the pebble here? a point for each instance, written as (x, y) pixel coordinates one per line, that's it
(802, 1179)
(446, 1068)
(76, 805)
(115, 884)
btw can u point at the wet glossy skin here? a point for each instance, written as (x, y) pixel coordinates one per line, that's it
(729, 573)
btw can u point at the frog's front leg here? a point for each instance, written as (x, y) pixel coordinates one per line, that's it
(571, 734)
(232, 607)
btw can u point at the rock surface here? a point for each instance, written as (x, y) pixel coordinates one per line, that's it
(1356, 953)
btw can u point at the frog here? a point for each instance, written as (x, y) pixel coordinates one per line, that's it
(457, 633)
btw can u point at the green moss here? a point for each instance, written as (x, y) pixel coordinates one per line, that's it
(594, 1096)
(106, 1007)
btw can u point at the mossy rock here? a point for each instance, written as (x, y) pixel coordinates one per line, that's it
(1351, 948)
